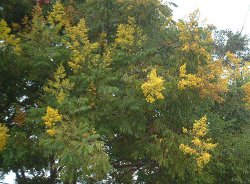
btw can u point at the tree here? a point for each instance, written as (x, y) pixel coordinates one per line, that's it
(124, 94)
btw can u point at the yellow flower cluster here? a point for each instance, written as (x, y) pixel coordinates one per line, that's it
(195, 39)
(58, 16)
(60, 86)
(188, 150)
(153, 87)
(231, 57)
(80, 45)
(209, 80)
(200, 146)
(51, 118)
(51, 132)
(200, 127)
(246, 88)
(214, 84)
(188, 80)
(239, 69)
(3, 136)
(203, 159)
(8, 39)
(125, 34)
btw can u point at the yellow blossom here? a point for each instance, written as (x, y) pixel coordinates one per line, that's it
(52, 116)
(3, 136)
(128, 35)
(231, 57)
(195, 39)
(187, 149)
(188, 80)
(7, 39)
(200, 127)
(197, 142)
(246, 88)
(208, 81)
(153, 87)
(203, 159)
(51, 132)
(200, 146)
(184, 130)
(125, 34)
(60, 86)
(82, 48)
(58, 16)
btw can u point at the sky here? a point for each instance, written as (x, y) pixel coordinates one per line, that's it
(224, 14)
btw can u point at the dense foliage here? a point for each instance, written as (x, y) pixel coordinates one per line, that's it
(116, 91)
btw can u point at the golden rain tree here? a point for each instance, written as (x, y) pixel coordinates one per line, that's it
(113, 91)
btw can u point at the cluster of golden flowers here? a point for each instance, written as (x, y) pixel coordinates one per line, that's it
(80, 45)
(153, 87)
(125, 34)
(51, 118)
(60, 86)
(3, 136)
(199, 146)
(7, 38)
(188, 80)
(214, 83)
(194, 38)
(233, 58)
(246, 88)
(237, 67)
(58, 16)
(209, 81)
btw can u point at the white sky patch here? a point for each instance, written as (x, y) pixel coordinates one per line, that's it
(224, 14)
(9, 178)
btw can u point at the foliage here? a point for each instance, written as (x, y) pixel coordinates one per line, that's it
(103, 88)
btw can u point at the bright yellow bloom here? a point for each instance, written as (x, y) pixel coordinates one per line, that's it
(231, 57)
(187, 150)
(188, 80)
(58, 16)
(197, 142)
(8, 39)
(125, 34)
(153, 87)
(209, 146)
(60, 86)
(51, 132)
(246, 88)
(80, 45)
(200, 127)
(195, 39)
(208, 81)
(52, 116)
(3, 136)
(128, 35)
(184, 130)
(200, 145)
(203, 159)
